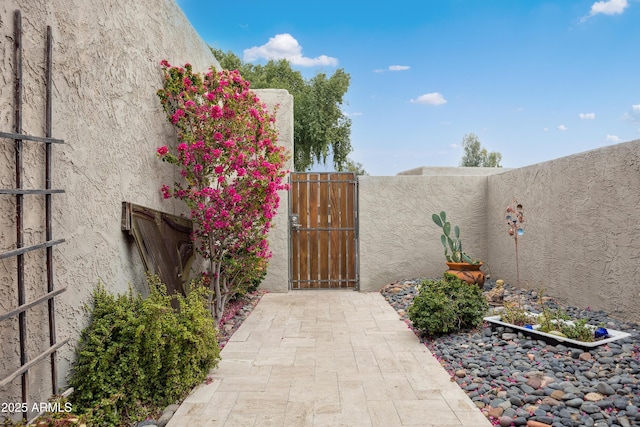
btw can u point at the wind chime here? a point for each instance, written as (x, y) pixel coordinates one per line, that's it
(515, 226)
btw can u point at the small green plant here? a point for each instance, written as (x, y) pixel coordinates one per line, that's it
(139, 354)
(516, 315)
(558, 322)
(446, 306)
(552, 321)
(449, 242)
(578, 330)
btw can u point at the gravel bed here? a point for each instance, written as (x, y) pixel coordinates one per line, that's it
(517, 380)
(235, 313)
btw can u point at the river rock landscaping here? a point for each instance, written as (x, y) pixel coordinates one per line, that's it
(517, 380)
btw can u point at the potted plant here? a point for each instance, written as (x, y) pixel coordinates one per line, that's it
(459, 263)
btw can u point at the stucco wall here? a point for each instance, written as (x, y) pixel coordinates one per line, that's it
(398, 239)
(106, 72)
(453, 171)
(277, 279)
(582, 235)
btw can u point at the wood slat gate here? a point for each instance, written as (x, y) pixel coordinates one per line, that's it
(323, 228)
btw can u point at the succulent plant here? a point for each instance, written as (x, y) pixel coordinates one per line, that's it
(451, 243)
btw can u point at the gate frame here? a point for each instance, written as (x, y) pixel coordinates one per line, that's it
(292, 222)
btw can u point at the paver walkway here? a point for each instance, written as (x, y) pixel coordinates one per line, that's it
(327, 358)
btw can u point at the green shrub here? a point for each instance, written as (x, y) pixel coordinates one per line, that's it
(446, 306)
(139, 354)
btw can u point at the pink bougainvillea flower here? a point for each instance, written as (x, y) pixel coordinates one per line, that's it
(166, 191)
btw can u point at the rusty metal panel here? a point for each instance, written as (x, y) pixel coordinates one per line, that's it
(164, 242)
(47, 295)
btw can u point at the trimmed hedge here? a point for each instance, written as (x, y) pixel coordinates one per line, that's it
(139, 354)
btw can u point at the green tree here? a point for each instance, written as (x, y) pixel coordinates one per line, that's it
(320, 126)
(475, 155)
(355, 167)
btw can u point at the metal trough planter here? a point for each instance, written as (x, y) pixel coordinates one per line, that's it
(612, 334)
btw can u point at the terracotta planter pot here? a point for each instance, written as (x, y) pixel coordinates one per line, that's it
(470, 273)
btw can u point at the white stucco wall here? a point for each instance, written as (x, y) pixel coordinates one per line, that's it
(106, 72)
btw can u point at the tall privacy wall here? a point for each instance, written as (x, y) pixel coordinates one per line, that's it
(106, 71)
(277, 278)
(398, 239)
(582, 234)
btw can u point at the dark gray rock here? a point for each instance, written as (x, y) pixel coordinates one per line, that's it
(166, 415)
(590, 408)
(604, 388)
(574, 403)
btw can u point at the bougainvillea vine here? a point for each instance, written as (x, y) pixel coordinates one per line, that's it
(231, 169)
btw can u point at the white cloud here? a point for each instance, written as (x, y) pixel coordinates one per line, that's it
(434, 98)
(392, 68)
(284, 46)
(612, 138)
(633, 115)
(453, 145)
(587, 116)
(562, 128)
(606, 7)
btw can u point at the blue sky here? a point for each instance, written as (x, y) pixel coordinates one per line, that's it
(535, 80)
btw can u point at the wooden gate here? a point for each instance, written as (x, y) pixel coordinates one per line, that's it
(323, 223)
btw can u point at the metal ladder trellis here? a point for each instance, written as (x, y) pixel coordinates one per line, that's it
(20, 192)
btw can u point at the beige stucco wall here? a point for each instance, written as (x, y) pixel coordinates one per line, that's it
(106, 72)
(582, 235)
(398, 239)
(453, 171)
(277, 279)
